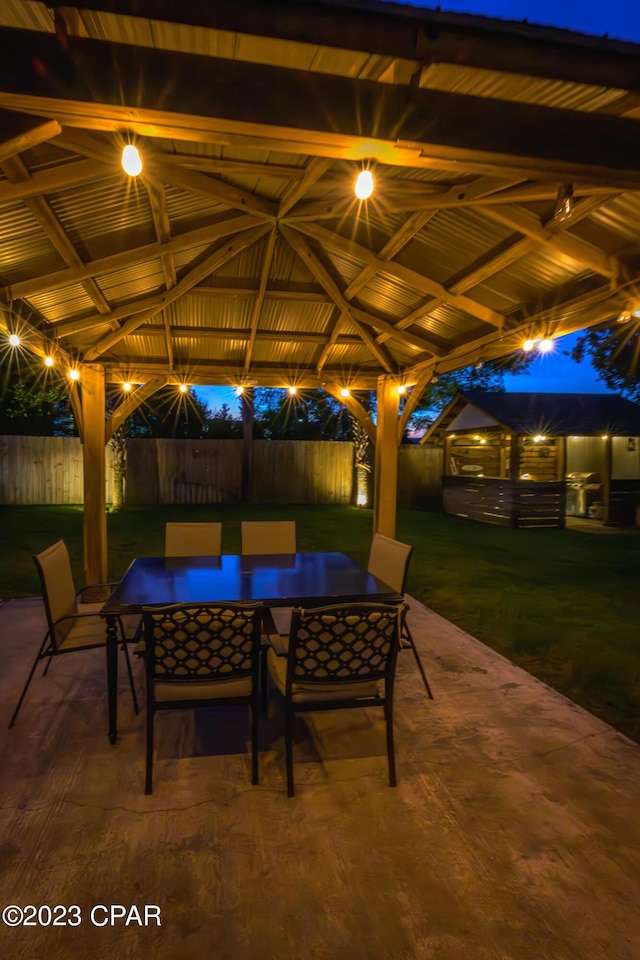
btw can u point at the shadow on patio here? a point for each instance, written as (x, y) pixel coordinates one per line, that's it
(513, 832)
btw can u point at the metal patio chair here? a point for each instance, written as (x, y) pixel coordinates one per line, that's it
(71, 627)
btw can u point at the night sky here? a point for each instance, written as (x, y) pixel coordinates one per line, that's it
(618, 19)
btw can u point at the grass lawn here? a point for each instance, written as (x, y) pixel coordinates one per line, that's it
(564, 605)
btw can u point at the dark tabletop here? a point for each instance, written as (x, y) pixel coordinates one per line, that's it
(310, 579)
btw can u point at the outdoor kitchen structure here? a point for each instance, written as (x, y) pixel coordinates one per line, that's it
(531, 459)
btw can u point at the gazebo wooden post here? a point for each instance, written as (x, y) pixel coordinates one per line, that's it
(514, 476)
(247, 408)
(93, 464)
(386, 458)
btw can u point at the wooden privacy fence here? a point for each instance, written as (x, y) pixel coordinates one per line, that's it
(44, 470)
(49, 470)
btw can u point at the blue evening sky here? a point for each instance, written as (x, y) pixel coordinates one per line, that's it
(619, 19)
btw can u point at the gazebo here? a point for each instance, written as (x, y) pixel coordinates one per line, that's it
(505, 207)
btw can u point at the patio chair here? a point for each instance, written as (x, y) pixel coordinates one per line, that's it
(389, 561)
(339, 656)
(193, 539)
(268, 536)
(201, 656)
(70, 626)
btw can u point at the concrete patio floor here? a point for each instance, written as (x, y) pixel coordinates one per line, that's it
(513, 833)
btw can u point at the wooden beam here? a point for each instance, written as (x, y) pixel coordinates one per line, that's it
(94, 517)
(342, 244)
(222, 372)
(244, 334)
(385, 500)
(130, 403)
(149, 251)
(215, 260)
(103, 88)
(356, 410)
(428, 36)
(257, 306)
(394, 245)
(53, 229)
(394, 332)
(315, 169)
(572, 247)
(54, 180)
(235, 168)
(324, 278)
(205, 186)
(412, 401)
(20, 132)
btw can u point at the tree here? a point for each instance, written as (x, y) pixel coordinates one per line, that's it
(222, 426)
(614, 351)
(33, 403)
(168, 413)
(308, 415)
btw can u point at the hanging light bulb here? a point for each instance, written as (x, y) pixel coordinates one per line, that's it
(545, 345)
(345, 392)
(292, 391)
(364, 185)
(131, 160)
(14, 340)
(239, 390)
(183, 388)
(529, 345)
(74, 374)
(402, 389)
(48, 361)
(564, 203)
(126, 386)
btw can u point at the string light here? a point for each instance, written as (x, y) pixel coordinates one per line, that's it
(239, 390)
(402, 389)
(545, 345)
(364, 185)
(183, 388)
(48, 361)
(292, 391)
(529, 345)
(345, 392)
(131, 160)
(14, 340)
(74, 374)
(126, 386)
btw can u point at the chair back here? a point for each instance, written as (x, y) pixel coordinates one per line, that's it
(193, 540)
(201, 643)
(58, 589)
(268, 536)
(344, 644)
(389, 561)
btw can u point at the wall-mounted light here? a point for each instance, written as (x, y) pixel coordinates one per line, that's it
(564, 204)
(14, 340)
(364, 185)
(74, 374)
(131, 160)
(48, 361)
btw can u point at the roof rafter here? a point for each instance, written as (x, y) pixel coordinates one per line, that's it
(257, 306)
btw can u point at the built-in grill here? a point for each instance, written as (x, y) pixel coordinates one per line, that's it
(583, 489)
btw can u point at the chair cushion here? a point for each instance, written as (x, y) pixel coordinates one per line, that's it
(195, 690)
(308, 692)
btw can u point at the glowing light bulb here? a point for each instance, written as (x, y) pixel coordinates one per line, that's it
(183, 388)
(345, 392)
(239, 391)
(539, 438)
(605, 436)
(48, 361)
(14, 340)
(74, 374)
(292, 391)
(402, 389)
(126, 386)
(364, 185)
(528, 345)
(131, 160)
(546, 345)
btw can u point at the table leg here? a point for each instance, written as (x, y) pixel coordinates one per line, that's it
(112, 676)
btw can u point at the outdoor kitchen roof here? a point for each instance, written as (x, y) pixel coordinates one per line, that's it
(241, 254)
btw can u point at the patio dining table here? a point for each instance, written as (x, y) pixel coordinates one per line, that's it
(299, 579)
